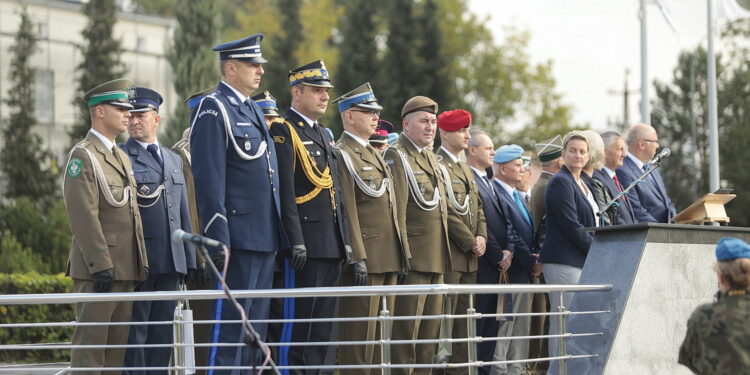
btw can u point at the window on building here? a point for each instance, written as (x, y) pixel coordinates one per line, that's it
(45, 96)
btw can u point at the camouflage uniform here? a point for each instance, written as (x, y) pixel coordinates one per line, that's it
(718, 337)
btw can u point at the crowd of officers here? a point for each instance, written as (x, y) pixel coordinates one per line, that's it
(297, 208)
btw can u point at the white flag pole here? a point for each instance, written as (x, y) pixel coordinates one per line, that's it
(713, 128)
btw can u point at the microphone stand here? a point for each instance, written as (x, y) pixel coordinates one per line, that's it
(252, 338)
(645, 174)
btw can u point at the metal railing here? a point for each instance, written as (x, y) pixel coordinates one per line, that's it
(385, 321)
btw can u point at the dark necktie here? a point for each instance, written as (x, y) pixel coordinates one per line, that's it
(154, 150)
(489, 184)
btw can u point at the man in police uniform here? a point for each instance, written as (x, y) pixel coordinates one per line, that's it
(236, 187)
(467, 230)
(267, 103)
(108, 252)
(378, 233)
(312, 214)
(162, 200)
(420, 190)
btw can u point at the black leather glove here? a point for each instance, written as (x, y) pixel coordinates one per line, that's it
(104, 281)
(298, 256)
(217, 257)
(359, 270)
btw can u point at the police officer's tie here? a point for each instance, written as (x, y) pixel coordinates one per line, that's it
(154, 150)
(521, 207)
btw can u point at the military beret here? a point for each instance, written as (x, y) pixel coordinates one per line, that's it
(454, 120)
(267, 104)
(732, 248)
(550, 149)
(245, 49)
(312, 74)
(194, 99)
(381, 132)
(361, 97)
(419, 103)
(507, 153)
(144, 99)
(114, 92)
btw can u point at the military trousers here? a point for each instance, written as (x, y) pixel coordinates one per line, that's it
(91, 312)
(539, 326)
(413, 329)
(357, 307)
(456, 328)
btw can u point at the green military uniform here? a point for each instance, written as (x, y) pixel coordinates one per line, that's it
(466, 218)
(717, 341)
(99, 191)
(420, 190)
(377, 231)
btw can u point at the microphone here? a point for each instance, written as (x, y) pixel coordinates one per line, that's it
(662, 155)
(181, 235)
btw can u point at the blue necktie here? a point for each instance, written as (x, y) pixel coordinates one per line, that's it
(154, 150)
(521, 207)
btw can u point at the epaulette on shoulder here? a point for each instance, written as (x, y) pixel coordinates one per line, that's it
(83, 143)
(278, 120)
(180, 144)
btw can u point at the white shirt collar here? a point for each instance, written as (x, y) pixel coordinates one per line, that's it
(358, 139)
(145, 145)
(107, 143)
(419, 149)
(453, 157)
(508, 189)
(307, 119)
(479, 172)
(237, 93)
(635, 160)
(609, 172)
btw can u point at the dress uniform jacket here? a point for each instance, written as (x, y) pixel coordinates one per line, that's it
(537, 205)
(464, 228)
(165, 213)
(182, 148)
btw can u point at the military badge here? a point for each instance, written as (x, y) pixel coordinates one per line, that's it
(75, 167)
(248, 145)
(144, 190)
(233, 100)
(278, 139)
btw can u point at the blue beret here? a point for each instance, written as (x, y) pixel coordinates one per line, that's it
(507, 153)
(732, 248)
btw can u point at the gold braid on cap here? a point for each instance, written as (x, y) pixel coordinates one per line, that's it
(321, 180)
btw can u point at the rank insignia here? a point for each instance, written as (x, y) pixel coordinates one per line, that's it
(278, 138)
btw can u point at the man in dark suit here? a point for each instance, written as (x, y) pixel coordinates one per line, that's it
(162, 201)
(237, 189)
(614, 154)
(649, 198)
(507, 170)
(313, 218)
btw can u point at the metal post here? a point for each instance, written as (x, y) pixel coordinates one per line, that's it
(713, 127)
(644, 65)
(385, 337)
(179, 351)
(563, 364)
(471, 330)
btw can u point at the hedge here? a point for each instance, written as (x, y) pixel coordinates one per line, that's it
(34, 283)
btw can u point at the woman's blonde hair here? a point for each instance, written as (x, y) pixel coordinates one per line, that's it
(596, 150)
(575, 134)
(736, 272)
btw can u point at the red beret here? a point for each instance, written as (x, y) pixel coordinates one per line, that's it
(454, 120)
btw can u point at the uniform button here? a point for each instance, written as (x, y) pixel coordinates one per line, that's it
(170, 205)
(363, 236)
(171, 218)
(305, 217)
(234, 211)
(245, 134)
(274, 189)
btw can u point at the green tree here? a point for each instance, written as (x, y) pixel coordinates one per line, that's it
(22, 158)
(434, 78)
(101, 59)
(284, 50)
(16, 257)
(193, 62)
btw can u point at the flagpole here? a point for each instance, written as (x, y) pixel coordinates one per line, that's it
(713, 128)
(644, 66)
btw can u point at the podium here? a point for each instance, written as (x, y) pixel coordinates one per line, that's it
(660, 273)
(709, 208)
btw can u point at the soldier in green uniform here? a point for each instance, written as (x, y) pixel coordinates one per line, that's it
(420, 190)
(108, 252)
(377, 229)
(717, 341)
(467, 230)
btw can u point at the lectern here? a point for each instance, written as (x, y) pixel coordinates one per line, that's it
(708, 209)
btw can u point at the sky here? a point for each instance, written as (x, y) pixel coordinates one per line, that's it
(592, 42)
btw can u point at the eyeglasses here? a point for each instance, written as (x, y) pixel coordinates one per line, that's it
(650, 140)
(371, 112)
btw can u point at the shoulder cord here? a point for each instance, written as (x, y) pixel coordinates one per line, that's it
(321, 180)
(182, 145)
(156, 194)
(384, 185)
(460, 209)
(228, 128)
(419, 198)
(101, 181)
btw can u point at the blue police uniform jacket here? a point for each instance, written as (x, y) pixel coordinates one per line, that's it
(523, 261)
(568, 213)
(649, 198)
(165, 213)
(235, 172)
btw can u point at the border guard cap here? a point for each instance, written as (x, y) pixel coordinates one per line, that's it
(245, 49)
(312, 74)
(114, 92)
(361, 97)
(550, 149)
(267, 103)
(144, 99)
(419, 103)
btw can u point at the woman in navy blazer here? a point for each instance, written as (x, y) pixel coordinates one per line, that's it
(569, 207)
